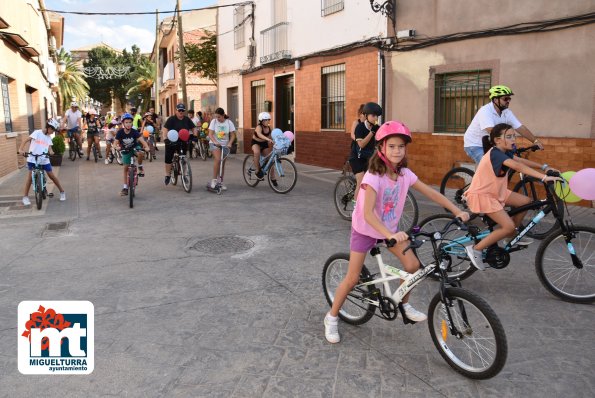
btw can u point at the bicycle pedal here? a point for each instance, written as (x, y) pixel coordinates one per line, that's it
(50, 195)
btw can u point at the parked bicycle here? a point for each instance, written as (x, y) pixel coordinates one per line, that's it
(456, 182)
(464, 328)
(564, 261)
(280, 171)
(181, 167)
(344, 195)
(38, 179)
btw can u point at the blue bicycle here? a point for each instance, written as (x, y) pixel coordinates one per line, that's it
(281, 172)
(565, 259)
(38, 179)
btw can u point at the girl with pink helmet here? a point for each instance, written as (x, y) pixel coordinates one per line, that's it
(379, 206)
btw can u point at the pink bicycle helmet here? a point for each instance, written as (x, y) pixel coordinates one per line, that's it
(393, 127)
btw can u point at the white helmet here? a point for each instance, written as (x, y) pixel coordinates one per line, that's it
(92, 112)
(73, 103)
(263, 116)
(53, 124)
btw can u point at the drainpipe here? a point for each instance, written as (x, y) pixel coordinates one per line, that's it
(382, 83)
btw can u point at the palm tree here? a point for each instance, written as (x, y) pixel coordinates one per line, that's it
(142, 80)
(72, 82)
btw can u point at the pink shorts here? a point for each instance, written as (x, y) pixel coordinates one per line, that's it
(361, 243)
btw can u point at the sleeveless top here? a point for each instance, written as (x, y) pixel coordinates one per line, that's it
(257, 138)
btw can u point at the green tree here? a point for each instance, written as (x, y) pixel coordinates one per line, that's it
(201, 58)
(72, 82)
(141, 81)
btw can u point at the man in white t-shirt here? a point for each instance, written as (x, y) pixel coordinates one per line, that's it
(74, 122)
(40, 145)
(490, 115)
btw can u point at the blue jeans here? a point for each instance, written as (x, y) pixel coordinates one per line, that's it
(474, 152)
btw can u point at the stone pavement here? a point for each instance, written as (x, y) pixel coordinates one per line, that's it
(205, 295)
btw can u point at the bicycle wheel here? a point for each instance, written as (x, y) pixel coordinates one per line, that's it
(175, 172)
(95, 157)
(455, 183)
(248, 171)
(186, 174)
(285, 175)
(38, 189)
(459, 264)
(72, 150)
(534, 189)
(572, 278)
(356, 310)
(118, 157)
(203, 150)
(410, 213)
(131, 187)
(344, 194)
(480, 349)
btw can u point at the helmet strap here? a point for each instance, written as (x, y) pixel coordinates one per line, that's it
(496, 103)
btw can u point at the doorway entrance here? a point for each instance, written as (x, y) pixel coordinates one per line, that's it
(284, 107)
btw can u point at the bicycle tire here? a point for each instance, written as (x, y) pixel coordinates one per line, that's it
(532, 188)
(553, 254)
(186, 174)
(410, 214)
(455, 183)
(248, 171)
(460, 266)
(175, 172)
(72, 150)
(483, 357)
(38, 189)
(95, 157)
(203, 151)
(286, 180)
(343, 196)
(131, 187)
(355, 310)
(119, 158)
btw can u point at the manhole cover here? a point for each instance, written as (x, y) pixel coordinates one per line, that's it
(223, 244)
(57, 226)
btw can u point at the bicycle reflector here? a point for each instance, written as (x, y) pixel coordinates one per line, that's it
(444, 330)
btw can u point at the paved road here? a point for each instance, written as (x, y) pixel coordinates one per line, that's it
(177, 315)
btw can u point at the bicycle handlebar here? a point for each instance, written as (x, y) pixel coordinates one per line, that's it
(25, 154)
(533, 148)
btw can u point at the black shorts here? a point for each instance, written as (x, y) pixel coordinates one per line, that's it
(170, 149)
(358, 165)
(261, 144)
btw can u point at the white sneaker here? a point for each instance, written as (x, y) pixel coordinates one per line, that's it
(213, 184)
(331, 329)
(223, 187)
(106, 161)
(414, 314)
(26, 201)
(62, 196)
(475, 257)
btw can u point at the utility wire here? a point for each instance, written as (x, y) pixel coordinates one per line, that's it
(149, 12)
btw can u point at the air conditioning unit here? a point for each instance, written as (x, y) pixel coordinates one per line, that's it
(251, 51)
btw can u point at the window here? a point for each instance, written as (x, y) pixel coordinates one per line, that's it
(6, 103)
(457, 98)
(328, 7)
(257, 92)
(238, 27)
(333, 97)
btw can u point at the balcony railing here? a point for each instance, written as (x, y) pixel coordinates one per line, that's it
(168, 72)
(275, 43)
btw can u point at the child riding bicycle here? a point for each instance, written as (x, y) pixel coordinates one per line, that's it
(489, 193)
(377, 212)
(129, 139)
(40, 144)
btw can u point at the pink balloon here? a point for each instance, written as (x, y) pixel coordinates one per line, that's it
(582, 184)
(289, 135)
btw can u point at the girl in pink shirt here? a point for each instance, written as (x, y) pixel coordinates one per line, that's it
(489, 193)
(376, 216)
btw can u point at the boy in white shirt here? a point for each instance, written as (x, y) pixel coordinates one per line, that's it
(40, 144)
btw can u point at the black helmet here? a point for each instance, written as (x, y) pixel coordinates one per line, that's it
(372, 108)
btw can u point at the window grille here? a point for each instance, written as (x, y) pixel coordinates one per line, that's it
(6, 103)
(257, 95)
(333, 97)
(457, 98)
(328, 7)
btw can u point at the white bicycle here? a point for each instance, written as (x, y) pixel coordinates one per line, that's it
(464, 328)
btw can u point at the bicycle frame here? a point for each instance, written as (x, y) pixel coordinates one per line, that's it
(269, 160)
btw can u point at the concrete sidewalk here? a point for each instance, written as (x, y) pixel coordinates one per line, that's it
(205, 295)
